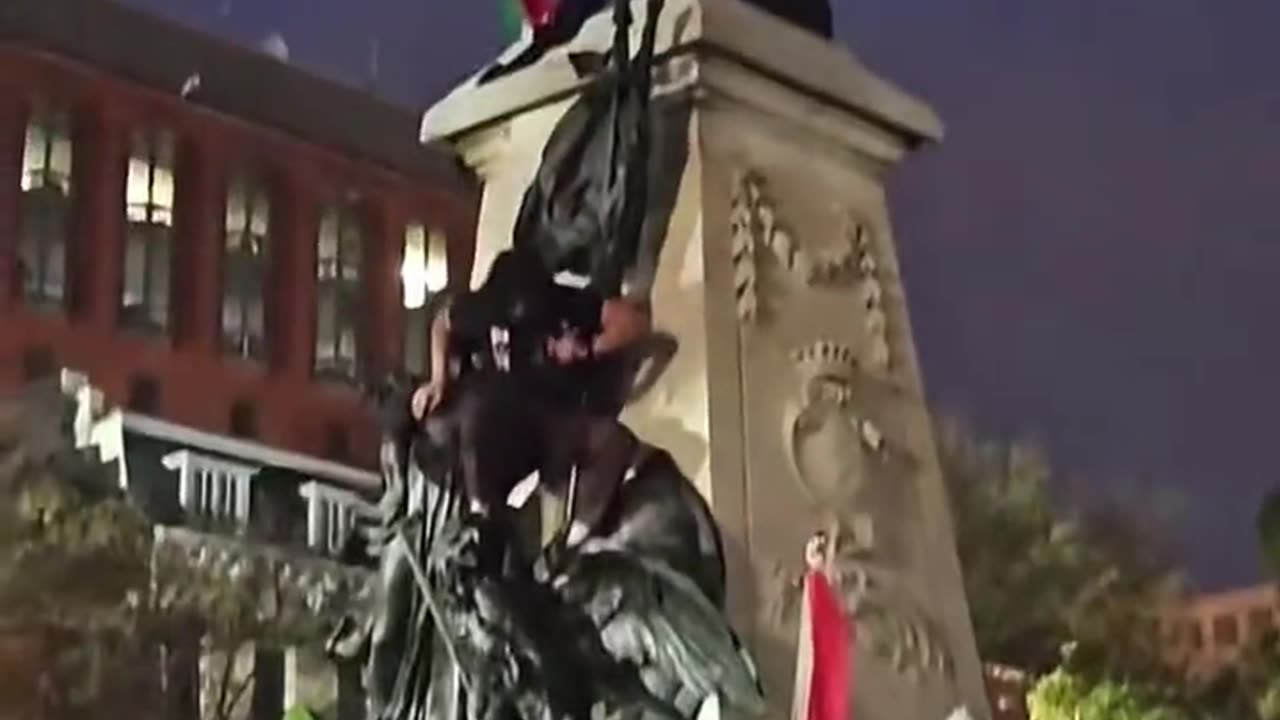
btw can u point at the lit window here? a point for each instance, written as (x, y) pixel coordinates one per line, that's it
(339, 248)
(44, 225)
(148, 256)
(424, 272)
(248, 227)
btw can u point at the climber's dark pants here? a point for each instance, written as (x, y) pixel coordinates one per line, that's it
(507, 431)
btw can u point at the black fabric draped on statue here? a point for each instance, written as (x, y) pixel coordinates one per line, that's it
(585, 210)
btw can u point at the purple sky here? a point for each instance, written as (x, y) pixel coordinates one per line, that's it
(1091, 256)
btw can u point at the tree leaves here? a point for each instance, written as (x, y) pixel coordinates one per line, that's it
(1064, 695)
(1040, 574)
(1269, 532)
(78, 563)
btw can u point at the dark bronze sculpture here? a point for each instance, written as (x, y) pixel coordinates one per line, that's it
(622, 613)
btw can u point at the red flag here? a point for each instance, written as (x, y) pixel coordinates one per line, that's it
(824, 668)
(539, 12)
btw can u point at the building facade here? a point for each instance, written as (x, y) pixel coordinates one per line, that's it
(1007, 690)
(1209, 633)
(226, 249)
(216, 237)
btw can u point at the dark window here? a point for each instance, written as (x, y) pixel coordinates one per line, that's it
(1260, 621)
(1226, 631)
(149, 209)
(44, 225)
(424, 272)
(244, 420)
(144, 394)
(248, 228)
(1196, 635)
(38, 362)
(340, 246)
(337, 445)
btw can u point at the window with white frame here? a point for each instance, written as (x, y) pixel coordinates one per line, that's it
(340, 246)
(149, 211)
(424, 271)
(244, 270)
(45, 209)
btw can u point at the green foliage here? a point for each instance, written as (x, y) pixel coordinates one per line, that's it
(1063, 695)
(1268, 704)
(1042, 577)
(299, 712)
(76, 567)
(1250, 690)
(73, 550)
(1039, 575)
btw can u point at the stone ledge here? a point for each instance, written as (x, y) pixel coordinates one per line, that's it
(729, 29)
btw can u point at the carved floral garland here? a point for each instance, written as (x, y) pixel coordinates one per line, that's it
(755, 229)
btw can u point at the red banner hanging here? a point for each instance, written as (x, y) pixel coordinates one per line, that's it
(824, 668)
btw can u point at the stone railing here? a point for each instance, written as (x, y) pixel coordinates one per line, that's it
(331, 516)
(211, 488)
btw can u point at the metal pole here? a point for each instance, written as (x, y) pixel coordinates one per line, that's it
(570, 506)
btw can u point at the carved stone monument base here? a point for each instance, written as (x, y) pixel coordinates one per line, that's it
(795, 399)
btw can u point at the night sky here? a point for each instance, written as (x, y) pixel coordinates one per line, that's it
(1091, 256)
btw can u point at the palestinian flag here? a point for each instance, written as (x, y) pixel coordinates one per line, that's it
(823, 664)
(515, 14)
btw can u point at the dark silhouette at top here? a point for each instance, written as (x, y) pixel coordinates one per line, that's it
(567, 17)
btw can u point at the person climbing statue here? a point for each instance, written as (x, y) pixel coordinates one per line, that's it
(524, 348)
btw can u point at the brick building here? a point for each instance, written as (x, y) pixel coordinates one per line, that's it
(227, 246)
(216, 237)
(1007, 690)
(1208, 633)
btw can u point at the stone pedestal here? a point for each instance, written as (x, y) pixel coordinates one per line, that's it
(795, 399)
